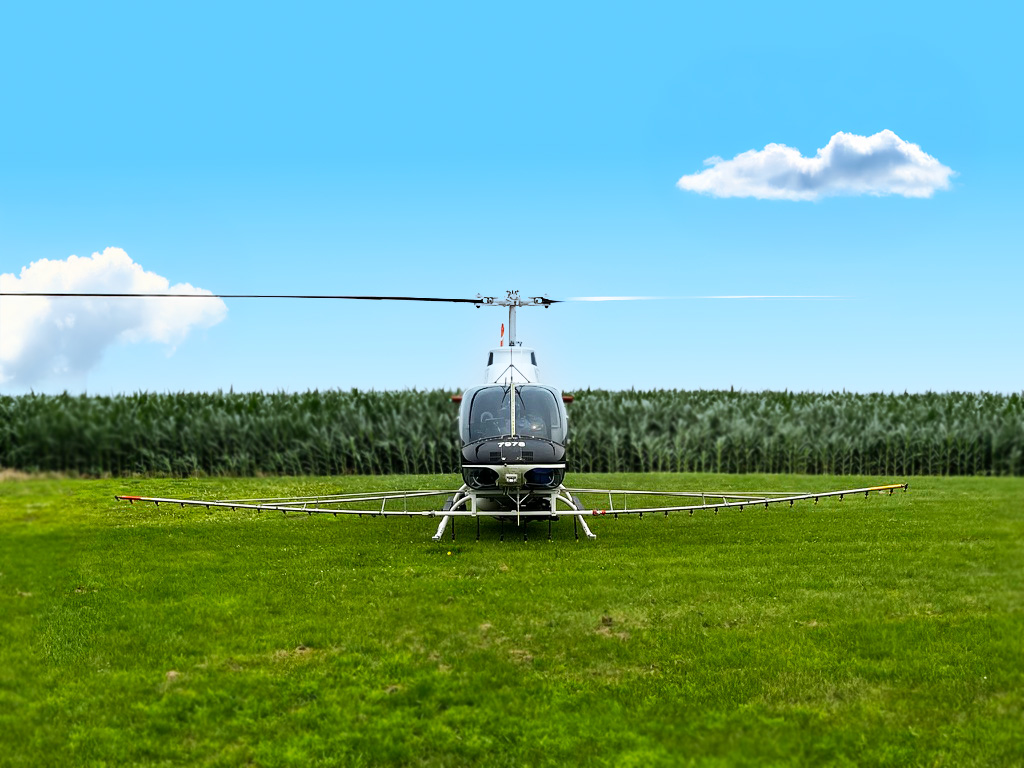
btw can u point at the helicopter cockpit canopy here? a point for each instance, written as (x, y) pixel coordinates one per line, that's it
(486, 413)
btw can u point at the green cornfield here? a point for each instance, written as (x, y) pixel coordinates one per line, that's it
(413, 432)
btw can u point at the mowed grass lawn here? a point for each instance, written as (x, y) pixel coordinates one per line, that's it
(881, 631)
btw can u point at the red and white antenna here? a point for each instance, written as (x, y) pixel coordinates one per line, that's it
(501, 343)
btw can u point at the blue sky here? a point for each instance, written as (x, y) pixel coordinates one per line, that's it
(453, 149)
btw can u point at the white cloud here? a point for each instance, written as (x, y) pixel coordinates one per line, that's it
(58, 337)
(883, 164)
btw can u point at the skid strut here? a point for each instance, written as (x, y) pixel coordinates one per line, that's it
(440, 528)
(586, 528)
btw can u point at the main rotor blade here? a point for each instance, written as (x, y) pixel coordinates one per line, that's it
(237, 296)
(479, 301)
(689, 298)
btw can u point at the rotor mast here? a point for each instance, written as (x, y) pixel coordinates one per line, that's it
(512, 320)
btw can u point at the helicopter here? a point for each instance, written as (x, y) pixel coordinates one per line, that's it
(514, 433)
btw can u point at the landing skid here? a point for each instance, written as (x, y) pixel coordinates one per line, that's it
(467, 499)
(577, 520)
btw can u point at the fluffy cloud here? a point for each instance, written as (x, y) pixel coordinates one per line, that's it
(54, 337)
(883, 164)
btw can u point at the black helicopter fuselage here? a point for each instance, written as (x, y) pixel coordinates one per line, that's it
(513, 447)
(513, 461)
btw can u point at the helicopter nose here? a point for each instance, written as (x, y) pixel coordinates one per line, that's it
(511, 451)
(511, 476)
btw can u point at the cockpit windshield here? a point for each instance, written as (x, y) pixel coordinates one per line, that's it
(488, 413)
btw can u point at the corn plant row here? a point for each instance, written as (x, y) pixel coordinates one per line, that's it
(336, 432)
(812, 433)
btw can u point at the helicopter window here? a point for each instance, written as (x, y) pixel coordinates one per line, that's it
(489, 413)
(538, 414)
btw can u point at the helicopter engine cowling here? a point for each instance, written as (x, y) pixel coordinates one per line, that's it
(528, 463)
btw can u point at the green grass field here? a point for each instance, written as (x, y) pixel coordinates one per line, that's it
(881, 631)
